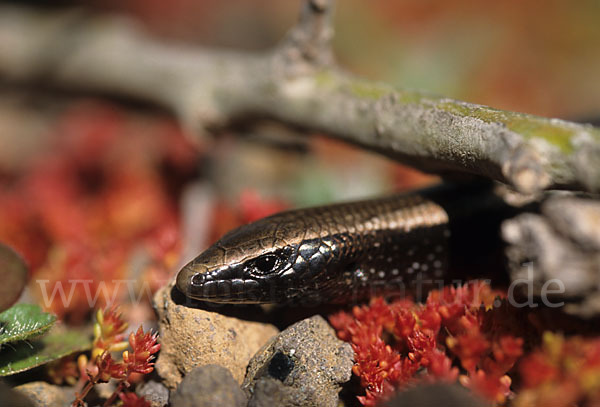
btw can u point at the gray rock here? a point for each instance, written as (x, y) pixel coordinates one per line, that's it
(270, 392)
(208, 386)
(43, 394)
(156, 393)
(307, 360)
(437, 394)
(13, 398)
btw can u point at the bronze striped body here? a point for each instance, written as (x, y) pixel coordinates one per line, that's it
(335, 253)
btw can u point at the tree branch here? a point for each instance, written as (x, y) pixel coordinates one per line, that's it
(298, 83)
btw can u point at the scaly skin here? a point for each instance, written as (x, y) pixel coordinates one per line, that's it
(338, 253)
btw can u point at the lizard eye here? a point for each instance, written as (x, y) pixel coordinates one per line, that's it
(265, 264)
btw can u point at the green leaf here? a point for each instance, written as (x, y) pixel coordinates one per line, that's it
(13, 275)
(23, 321)
(25, 355)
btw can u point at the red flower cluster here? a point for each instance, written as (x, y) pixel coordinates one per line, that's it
(108, 335)
(562, 373)
(108, 332)
(143, 347)
(392, 342)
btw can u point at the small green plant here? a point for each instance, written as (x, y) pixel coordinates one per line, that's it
(26, 340)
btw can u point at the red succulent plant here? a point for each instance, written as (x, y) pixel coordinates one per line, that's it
(108, 337)
(444, 336)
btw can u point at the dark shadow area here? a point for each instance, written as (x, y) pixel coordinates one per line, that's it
(280, 315)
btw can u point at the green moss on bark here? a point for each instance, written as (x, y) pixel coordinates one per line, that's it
(528, 126)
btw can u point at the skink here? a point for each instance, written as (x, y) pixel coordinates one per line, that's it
(350, 251)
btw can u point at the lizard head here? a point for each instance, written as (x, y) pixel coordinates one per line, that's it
(256, 263)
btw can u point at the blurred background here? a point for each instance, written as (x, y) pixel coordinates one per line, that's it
(524, 55)
(94, 189)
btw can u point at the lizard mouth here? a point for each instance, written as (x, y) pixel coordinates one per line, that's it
(206, 286)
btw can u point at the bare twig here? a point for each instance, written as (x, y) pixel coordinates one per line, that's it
(308, 45)
(298, 83)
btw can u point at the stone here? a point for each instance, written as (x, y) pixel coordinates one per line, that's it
(14, 398)
(208, 386)
(154, 392)
(191, 336)
(43, 394)
(270, 392)
(305, 365)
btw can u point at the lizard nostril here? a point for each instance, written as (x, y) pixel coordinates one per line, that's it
(198, 279)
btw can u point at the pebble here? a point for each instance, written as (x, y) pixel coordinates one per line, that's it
(42, 394)
(305, 365)
(270, 392)
(154, 392)
(208, 386)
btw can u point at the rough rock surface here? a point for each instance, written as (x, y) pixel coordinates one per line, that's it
(154, 392)
(43, 394)
(192, 337)
(208, 386)
(270, 392)
(310, 362)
